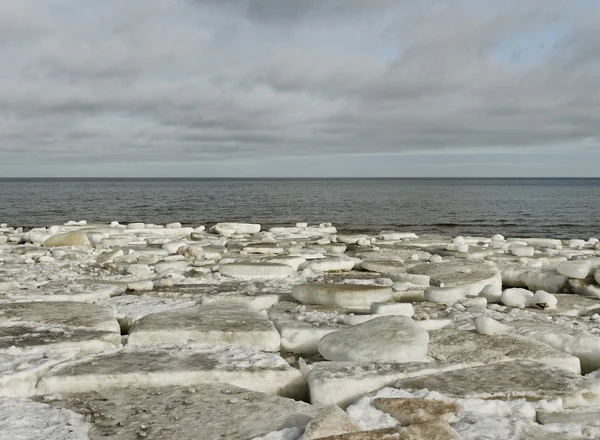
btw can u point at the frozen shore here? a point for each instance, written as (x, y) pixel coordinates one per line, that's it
(235, 332)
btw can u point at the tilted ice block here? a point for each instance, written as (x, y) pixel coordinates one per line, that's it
(256, 270)
(509, 381)
(352, 296)
(162, 366)
(341, 383)
(384, 339)
(582, 287)
(219, 323)
(579, 269)
(578, 343)
(467, 347)
(301, 337)
(331, 420)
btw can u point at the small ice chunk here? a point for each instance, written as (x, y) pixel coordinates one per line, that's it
(488, 326)
(544, 300)
(522, 251)
(516, 297)
(392, 308)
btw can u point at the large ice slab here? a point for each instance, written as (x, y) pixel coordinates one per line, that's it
(384, 339)
(352, 296)
(219, 323)
(508, 381)
(206, 411)
(576, 342)
(160, 366)
(75, 238)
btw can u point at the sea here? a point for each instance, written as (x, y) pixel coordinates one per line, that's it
(557, 208)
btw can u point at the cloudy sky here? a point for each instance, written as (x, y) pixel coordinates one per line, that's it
(299, 88)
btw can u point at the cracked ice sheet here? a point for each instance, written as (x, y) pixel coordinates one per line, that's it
(166, 365)
(479, 419)
(22, 419)
(129, 309)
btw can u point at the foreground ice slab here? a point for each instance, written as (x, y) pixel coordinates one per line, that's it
(207, 411)
(384, 339)
(461, 346)
(340, 383)
(508, 381)
(22, 419)
(160, 366)
(219, 323)
(352, 296)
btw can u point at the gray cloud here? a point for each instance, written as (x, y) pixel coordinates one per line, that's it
(207, 80)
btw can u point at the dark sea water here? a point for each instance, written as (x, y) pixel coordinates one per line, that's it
(562, 208)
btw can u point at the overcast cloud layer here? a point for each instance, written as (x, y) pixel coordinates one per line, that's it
(299, 88)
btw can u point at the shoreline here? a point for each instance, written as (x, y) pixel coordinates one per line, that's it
(241, 331)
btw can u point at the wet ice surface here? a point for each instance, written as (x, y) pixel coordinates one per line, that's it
(232, 327)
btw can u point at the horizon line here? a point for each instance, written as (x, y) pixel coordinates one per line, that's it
(306, 178)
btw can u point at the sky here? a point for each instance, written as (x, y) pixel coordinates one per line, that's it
(299, 88)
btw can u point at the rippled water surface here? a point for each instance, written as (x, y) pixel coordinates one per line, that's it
(565, 208)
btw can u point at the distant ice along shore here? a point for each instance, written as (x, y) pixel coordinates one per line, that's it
(234, 332)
